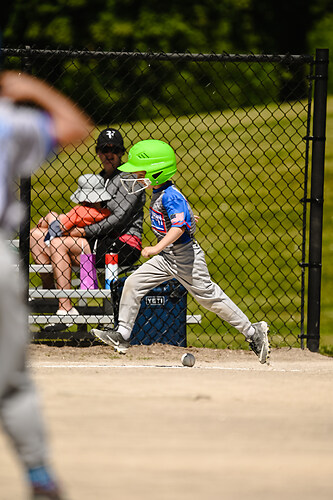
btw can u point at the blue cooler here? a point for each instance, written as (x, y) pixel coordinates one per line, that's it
(162, 315)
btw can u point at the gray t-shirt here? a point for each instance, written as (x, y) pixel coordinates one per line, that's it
(126, 211)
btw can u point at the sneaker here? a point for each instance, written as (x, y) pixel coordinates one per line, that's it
(113, 338)
(71, 312)
(62, 312)
(42, 494)
(43, 486)
(259, 341)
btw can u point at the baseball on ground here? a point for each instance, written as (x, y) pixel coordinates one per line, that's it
(188, 359)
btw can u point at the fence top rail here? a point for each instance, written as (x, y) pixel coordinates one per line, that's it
(160, 56)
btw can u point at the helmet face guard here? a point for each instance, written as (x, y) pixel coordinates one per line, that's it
(134, 186)
(156, 158)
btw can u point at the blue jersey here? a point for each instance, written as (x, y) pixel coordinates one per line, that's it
(169, 208)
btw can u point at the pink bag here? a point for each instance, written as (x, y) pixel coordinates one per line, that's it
(88, 275)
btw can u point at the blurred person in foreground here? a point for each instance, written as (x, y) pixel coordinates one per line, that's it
(27, 136)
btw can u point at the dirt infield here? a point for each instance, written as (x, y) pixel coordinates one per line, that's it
(142, 427)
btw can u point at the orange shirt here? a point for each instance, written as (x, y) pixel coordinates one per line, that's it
(81, 216)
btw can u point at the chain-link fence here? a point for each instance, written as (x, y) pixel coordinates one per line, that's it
(240, 126)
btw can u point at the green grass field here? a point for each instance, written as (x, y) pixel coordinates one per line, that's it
(327, 274)
(237, 198)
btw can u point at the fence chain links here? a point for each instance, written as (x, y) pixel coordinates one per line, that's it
(239, 126)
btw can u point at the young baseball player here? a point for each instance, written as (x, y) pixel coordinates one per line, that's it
(27, 136)
(176, 254)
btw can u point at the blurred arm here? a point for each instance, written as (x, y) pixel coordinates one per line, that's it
(70, 123)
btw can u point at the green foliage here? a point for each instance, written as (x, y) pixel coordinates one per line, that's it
(321, 36)
(124, 88)
(210, 26)
(231, 26)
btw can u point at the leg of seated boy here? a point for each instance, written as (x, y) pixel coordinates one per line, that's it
(65, 252)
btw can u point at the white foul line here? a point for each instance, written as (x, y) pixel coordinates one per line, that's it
(223, 368)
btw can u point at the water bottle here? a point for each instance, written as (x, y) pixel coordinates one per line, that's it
(111, 269)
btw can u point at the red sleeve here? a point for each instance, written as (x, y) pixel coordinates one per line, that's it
(81, 216)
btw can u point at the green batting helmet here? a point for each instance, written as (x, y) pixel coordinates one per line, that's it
(154, 157)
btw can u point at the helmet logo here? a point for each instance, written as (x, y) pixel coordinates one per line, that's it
(143, 155)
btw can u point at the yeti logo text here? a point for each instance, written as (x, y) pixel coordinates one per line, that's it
(155, 300)
(110, 133)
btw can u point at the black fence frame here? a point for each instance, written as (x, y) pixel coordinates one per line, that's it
(317, 198)
(319, 74)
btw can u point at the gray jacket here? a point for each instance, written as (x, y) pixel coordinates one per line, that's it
(126, 212)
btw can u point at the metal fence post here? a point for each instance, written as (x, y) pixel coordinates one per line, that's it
(25, 198)
(317, 192)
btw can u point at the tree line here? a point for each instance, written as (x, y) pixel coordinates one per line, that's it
(198, 26)
(227, 26)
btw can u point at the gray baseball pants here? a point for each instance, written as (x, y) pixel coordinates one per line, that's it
(187, 264)
(19, 407)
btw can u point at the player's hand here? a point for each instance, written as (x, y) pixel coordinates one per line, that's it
(17, 86)
(148, 252)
